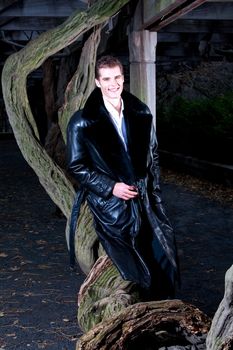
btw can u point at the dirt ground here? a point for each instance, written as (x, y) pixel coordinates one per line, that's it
(38, 292)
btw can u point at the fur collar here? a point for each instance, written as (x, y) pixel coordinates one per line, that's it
(95, 105)
(101, 132)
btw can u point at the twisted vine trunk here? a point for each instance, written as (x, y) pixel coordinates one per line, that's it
(14, 85)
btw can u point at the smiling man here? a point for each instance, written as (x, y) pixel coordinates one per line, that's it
(112, 153)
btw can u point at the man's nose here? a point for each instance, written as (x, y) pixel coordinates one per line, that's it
(114, 82)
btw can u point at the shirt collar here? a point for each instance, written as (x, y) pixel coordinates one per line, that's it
(112, 109)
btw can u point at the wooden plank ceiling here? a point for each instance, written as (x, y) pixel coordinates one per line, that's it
(176, 21)
(23, 20)
(34, 15)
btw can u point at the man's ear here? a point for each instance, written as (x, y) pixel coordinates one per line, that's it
(97, 83)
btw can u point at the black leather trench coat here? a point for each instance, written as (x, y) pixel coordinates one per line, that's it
(97, 159)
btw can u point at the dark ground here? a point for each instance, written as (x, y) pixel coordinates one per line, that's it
(38, 291)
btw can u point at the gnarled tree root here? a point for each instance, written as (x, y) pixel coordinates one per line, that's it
(147, 326)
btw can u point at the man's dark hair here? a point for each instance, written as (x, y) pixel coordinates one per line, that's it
(107, 62)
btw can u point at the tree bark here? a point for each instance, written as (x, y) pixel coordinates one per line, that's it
(82, 82)
(103, 294)
(220, 336)
(86, 241)
(49, 90)
(148, 326)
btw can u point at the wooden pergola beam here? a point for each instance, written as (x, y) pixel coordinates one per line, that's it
(198, 26)
(46, 8)
(212, 11)
(159, 13)
(4, 4)
(4, 21)
(31, 23)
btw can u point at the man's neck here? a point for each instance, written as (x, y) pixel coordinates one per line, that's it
(116, 103)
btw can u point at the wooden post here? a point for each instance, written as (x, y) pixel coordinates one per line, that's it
(142, 56)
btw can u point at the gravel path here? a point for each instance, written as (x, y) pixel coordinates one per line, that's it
(38, 292)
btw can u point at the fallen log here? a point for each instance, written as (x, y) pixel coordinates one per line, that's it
(170, 324)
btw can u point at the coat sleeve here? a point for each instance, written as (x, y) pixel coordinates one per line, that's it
(154, 180)
(153, 168)
(79, 162)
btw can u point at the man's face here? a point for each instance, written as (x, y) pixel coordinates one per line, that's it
(110, 82)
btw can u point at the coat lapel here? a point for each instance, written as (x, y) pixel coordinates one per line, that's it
(138, 121)
(107, 133)
(104, 137)
(103, 123)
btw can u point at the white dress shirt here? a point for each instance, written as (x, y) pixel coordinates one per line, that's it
(116, 118)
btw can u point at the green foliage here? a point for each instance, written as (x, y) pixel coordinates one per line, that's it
(206, 117)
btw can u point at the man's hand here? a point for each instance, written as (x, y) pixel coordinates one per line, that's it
(123, 191)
